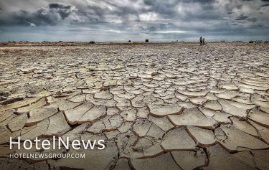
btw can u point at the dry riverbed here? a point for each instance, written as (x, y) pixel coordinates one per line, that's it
(157, 106)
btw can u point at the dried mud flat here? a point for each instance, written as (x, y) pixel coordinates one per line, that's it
(158, 106)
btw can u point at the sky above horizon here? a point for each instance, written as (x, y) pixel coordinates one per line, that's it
(136, 20)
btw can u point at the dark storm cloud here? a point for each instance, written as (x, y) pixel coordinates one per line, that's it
(241, 17)
(165, 18)
(265, 5)
(63, 9)
(51, 15)
(59, 6)
(109, 11)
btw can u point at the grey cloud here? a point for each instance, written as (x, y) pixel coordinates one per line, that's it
(184, 9)
(147, 17)
(94, 13)
(51, 15)
(252, 19)
(162, 7)
(63, 9)
(59, 6)
(265, 5)
(241, 17)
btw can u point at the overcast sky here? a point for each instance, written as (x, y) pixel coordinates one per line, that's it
(136, 20)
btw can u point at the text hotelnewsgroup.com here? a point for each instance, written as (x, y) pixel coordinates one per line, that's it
(46, 155)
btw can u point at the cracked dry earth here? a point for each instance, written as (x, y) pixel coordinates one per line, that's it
(157, 106)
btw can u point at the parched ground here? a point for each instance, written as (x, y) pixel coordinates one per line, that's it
(157, 106)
